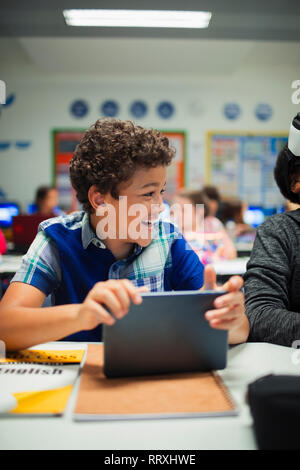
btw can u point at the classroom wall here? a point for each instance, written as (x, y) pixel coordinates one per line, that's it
(42, 104)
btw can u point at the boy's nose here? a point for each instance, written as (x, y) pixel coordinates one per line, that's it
(157, 209)
(159, 203)
(162, 208)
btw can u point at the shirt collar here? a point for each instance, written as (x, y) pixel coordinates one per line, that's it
(136, 251)
(88, 236)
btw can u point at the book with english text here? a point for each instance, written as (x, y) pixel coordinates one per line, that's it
(38, 381)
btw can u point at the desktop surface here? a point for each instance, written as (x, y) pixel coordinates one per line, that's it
(246, 362)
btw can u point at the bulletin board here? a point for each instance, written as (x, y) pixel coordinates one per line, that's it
(242, 164)
(64, 142)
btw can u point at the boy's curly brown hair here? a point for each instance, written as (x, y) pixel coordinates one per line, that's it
(110, 152)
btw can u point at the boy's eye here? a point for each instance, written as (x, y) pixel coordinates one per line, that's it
(153, 192)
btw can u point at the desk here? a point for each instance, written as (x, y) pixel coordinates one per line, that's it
(246, 362)
(243, 248)
(231, 267)
(225, 269)
(9, 264)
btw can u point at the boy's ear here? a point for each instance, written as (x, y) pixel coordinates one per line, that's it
(295, 187)
(95, 197)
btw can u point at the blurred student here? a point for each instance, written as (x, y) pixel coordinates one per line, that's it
(231, 212)
(205, 233)
(46, 200)
(3, 246)
(272, 280)
(213, 198)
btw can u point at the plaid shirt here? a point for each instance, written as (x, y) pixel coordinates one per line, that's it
(148, 266)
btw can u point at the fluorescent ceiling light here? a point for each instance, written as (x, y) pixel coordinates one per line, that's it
(138, 18)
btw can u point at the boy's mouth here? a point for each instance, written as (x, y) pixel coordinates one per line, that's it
(150, 223)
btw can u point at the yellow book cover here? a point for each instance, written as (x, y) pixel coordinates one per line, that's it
(45, 356)
(38, 381)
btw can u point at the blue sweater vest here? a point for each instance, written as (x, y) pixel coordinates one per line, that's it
(80, 270)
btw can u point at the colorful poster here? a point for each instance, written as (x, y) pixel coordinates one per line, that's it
(242, 165)
(64, 146)
(224, 162)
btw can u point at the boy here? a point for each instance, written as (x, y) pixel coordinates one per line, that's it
(118, 170)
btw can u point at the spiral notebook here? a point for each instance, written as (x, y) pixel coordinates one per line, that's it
(39, 381)
(184, 395)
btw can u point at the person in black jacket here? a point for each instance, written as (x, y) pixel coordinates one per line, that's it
(272, 280)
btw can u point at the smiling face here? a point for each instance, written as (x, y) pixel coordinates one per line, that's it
(131, 218)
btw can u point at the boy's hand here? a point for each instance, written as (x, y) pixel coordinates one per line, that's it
(230, 308)
(113, 295)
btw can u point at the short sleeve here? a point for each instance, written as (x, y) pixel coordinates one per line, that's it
(40, 266)
(187, 271)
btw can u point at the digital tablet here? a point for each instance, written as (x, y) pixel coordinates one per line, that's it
(166, 333)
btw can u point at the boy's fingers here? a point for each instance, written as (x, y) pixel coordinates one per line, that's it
(121, 292)
(210, 278)
(233, 284)
(216, 314)
(100, 312)
(103, 294)
(233, 299)
(143, 289)
(116, 295)
(225, 324)
(134, 291)
(226, 313)
(112, 302)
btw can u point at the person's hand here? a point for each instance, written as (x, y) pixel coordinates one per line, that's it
(108, 301)
(229, 312)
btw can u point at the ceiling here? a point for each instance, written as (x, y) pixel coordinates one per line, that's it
(35, 39)
(231, 19)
